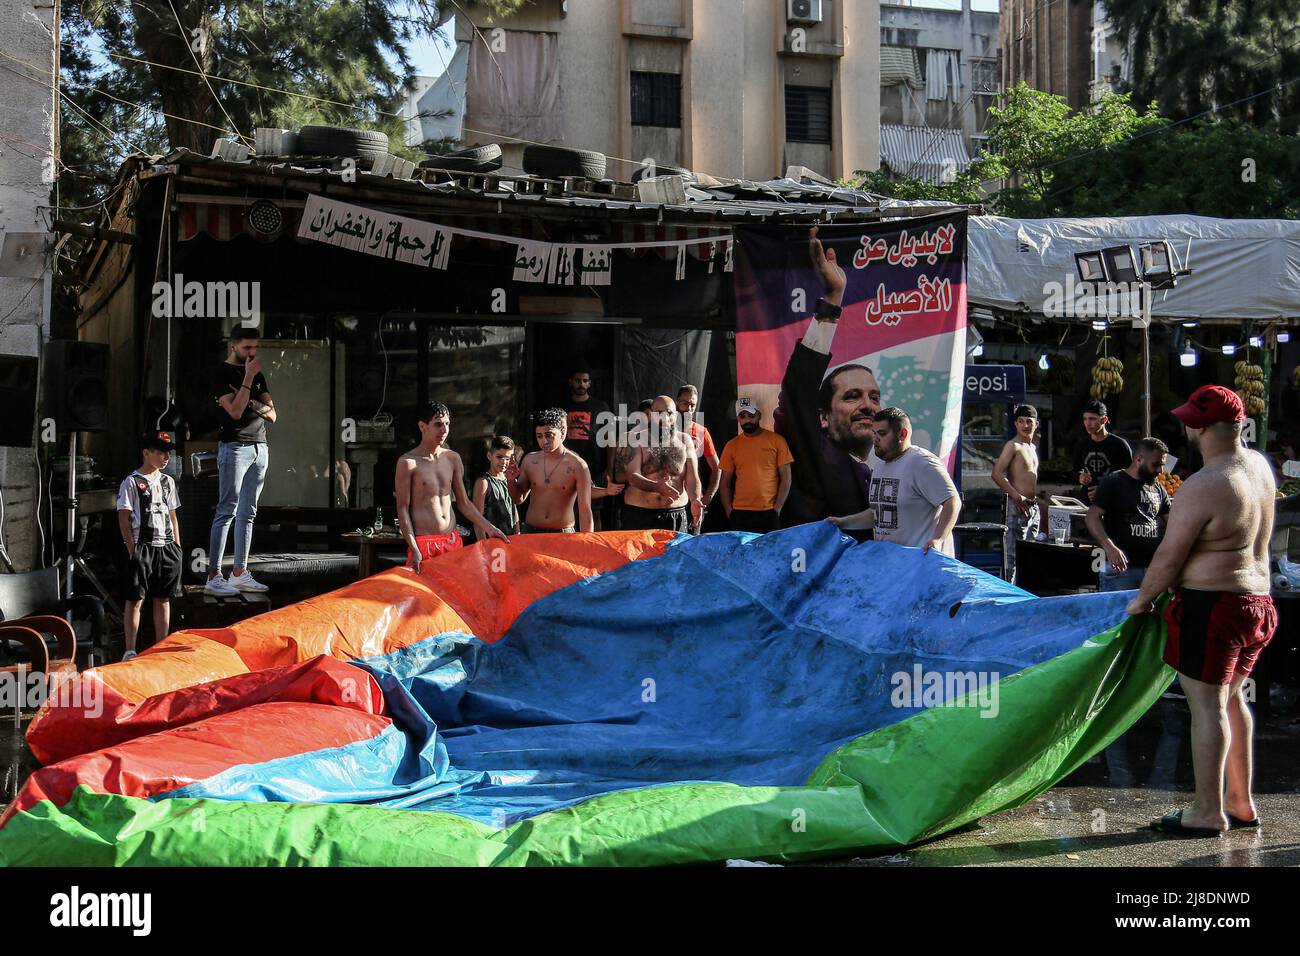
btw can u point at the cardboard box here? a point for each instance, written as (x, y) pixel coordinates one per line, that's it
(1060, 512)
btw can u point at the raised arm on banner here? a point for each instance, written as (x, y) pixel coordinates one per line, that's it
(828, 269)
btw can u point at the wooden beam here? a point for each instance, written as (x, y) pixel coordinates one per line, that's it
(93, 232)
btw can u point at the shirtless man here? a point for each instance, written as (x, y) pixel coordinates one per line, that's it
(427, 478)
(554, 478)
(662, 475)
(1215, 557)
(1016, 473)
(616, 467)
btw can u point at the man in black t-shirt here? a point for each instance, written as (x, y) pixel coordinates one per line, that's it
(244, 408)
(1124, 517)
(585, 416)
(1100, 452)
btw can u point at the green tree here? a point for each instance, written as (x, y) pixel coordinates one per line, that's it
(1190, 56)
(1111, 160)
(267, 63)
(1045, 150)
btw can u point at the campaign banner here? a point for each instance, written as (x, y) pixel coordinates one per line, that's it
(901, 333)
(904, 319)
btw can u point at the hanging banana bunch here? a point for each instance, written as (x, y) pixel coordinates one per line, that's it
(1107, 378)
(1250, 383)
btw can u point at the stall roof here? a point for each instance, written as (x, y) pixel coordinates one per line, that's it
(708, 201)
(1241, 268)
(773, 200)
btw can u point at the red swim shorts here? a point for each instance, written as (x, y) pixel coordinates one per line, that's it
(1215, 636)
(432, 545)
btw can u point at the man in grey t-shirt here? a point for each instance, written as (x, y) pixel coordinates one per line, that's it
(913, 501)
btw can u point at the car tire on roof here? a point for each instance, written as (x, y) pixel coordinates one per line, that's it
(643, 171)
(475, 159)
(341, 141)
(558, 161)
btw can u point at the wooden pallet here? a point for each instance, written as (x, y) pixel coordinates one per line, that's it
(202, 610)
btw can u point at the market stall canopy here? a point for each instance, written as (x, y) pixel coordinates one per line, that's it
(1241, 268)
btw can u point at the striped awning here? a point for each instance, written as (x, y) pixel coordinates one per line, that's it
(898, 64)
(923, 152)
(224, 221)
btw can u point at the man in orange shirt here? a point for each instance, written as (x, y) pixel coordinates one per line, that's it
(758, 462)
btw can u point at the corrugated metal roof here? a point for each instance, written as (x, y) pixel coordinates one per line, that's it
(773, 200)
(923, 152)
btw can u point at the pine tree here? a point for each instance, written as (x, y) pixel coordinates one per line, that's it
(201, 69)
(1193, 56)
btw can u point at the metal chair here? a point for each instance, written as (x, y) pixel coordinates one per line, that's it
(32, 614)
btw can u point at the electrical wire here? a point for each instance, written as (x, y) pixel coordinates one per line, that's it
(351, 106)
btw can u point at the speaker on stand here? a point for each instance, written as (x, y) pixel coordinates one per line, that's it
(76, 398)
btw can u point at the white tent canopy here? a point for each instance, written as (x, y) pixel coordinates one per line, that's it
(1241, 268)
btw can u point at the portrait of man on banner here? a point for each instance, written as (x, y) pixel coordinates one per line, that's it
(836, 322)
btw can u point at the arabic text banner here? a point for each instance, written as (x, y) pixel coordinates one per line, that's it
(904, 314)
(401, 239)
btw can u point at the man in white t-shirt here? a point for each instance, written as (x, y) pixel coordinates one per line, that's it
(912, 500)
(146, 513)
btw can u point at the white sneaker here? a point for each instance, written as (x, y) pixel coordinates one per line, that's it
(128, 655)
(246, 582)
(220, 587)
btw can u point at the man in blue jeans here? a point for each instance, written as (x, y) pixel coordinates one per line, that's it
(245, 407)
(1125, 516)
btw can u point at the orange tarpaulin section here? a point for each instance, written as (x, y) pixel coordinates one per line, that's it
(479, 591)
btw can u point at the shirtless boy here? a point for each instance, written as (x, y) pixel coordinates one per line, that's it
(1215, 557)
(662, 475)
(1016, 473)
(554, 478)
(428, 477)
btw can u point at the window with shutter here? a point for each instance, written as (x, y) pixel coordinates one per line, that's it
(808, 114)
(656, 99)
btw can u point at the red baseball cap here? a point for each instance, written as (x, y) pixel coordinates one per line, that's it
(1208, 405)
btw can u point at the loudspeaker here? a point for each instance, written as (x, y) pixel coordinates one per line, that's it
(18, 399)
(76, 385)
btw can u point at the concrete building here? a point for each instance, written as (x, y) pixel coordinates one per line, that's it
(939, 76)
(27, 131)
(1048, 44)
(1066, 47)
(742, 88)
(1111, 64)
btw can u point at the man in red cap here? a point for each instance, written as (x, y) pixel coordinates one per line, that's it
(1215, 557)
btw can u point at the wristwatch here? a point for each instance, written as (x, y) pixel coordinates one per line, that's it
(826, 312)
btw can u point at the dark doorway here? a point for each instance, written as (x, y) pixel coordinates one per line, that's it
(558, 349)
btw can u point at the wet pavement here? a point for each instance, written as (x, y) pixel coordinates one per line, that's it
(1100, 814)
(1097, 816)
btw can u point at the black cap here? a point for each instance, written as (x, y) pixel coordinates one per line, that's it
(1026, 411)
(159, 441)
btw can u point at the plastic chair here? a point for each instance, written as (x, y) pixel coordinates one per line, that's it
(32, 615)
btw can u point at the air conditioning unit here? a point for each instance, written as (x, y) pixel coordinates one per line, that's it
(804, 11)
